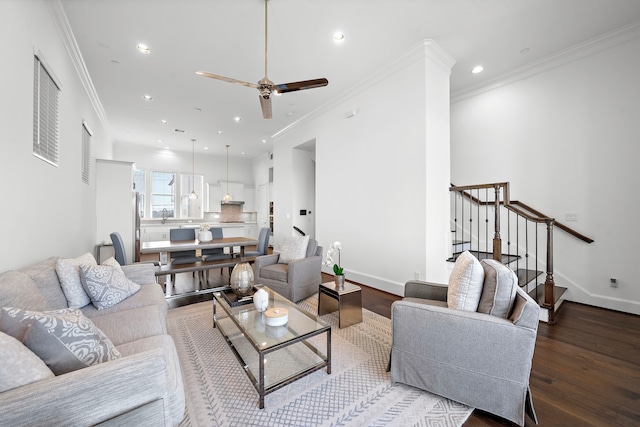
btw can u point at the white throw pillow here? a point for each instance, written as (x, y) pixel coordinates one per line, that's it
(69, 273)
(293, 248)
(499, 290)
(106, 285)
(20, 366)
(465, 283)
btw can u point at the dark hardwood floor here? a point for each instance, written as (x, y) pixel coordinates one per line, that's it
(585, 372)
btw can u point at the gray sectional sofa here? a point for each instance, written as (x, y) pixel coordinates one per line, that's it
(143, 387)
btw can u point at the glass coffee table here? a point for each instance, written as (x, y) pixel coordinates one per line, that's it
(290, 349)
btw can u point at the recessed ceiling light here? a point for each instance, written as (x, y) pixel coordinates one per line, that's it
(143, 48)
(237, 118)
(243, 153)
(147, 97)
(164, 122)
(477, 69)
(338, 37)
(160, 140)
(264, 141)
(219, 132)
(206, 148)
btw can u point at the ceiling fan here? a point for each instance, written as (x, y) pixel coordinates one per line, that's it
(265, 86)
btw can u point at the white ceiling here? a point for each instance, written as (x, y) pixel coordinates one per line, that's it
(227, 37)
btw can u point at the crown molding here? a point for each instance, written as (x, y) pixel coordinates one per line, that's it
(68, 39)
(556, 59)
(424, 49)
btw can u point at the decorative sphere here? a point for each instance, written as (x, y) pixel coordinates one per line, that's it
(241, 279)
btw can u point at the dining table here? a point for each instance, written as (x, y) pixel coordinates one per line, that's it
(164, 247)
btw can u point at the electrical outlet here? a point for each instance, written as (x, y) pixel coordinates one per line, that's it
(613, 282)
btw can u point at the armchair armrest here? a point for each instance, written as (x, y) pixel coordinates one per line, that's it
(263, 261)
(425, 290)
(305, 270)
(141, 273)
(90, 395)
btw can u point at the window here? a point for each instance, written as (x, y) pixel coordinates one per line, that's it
(86, 153)
(139, 186)
(45, 114)
(162, 195)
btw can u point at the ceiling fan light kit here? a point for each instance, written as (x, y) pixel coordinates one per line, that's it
(265, 86)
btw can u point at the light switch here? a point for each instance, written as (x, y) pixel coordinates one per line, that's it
(570, 216)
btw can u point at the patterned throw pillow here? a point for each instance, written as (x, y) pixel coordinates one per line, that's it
(64, 339)
(19, 365)
(465, 283)
(106, 285)
(69, 273)
(293, 248)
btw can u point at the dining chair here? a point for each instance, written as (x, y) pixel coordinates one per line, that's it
(215, 254)
(120, 253)
(263, 243)
(182, 257)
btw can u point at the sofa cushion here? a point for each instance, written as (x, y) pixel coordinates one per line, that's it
(465, 283)
(150, 294)
(64, 339)
(44, 275)
(69, 273)
(119, 326)
(19, 365)
(19, 290)
(275, 272)
(106, 285)
(499, 289)
(293, 248)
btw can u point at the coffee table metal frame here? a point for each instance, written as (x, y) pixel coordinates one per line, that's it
(244, 316)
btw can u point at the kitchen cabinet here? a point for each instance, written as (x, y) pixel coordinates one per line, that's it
(236, 190)
(251, 231)
(215, 196)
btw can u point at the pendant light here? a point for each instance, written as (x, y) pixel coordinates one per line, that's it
(193, 194)
(227, 197)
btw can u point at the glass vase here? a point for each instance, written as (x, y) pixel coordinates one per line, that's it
(241, 280)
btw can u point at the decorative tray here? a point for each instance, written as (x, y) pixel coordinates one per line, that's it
(234, 300)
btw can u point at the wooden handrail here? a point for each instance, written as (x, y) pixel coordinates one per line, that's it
(513, 206)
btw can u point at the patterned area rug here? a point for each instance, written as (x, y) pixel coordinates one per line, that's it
(358, 392)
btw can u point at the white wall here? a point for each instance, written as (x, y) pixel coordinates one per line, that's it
(45, 210)
(371, 177)
(567, 140)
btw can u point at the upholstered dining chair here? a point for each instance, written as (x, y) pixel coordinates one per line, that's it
(215, 254)
(120, 253)
(263, 243)
(295, 279)
(182, 257)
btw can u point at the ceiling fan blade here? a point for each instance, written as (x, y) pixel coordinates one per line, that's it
(265, 103)
(226, 79)
(302, 85)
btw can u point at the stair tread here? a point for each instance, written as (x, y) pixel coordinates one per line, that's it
(525, 276)
(506, 258)
(558, 291)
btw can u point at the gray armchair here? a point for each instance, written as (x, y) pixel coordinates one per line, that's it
(477, 359)
(296, 280)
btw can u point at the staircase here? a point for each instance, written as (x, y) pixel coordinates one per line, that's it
(480, 213)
